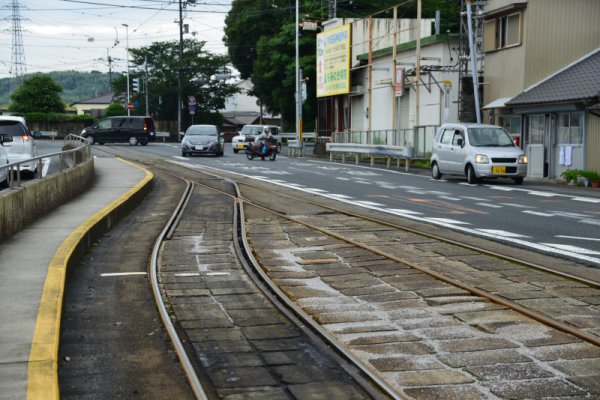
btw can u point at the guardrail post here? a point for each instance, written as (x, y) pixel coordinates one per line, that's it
(372, 161)
(406, 164)
(388, 162)
(343, 158)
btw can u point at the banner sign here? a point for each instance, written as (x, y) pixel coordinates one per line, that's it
(399, 81)
(333, 61)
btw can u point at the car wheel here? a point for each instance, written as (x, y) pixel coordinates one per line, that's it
(144, 142)
(435, 171)
(91, 139)
(133, 141)
(279, 147)
(272, 156)
(183, 154)
(235, 151)
(250, 155)
(471, 177)
(518, 181)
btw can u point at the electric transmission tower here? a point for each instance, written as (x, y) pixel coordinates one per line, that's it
(17, 68)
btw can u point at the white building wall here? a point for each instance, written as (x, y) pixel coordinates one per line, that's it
(242, 102)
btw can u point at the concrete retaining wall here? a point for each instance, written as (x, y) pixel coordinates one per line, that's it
(34, 199)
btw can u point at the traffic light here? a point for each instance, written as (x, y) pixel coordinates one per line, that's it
(136, 85)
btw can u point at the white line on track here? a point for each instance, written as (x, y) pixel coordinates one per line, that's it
(578, 238)
(537, 213)
(107, 274)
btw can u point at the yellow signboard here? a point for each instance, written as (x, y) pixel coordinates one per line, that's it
(333, 61)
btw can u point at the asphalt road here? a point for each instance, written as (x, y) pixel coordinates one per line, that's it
(551, 218)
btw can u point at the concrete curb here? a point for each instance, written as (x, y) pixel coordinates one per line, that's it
(42, 381)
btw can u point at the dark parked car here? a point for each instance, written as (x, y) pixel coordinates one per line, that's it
(132, 130)
(202, 139)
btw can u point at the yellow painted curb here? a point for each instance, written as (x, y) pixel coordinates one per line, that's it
(42, 377)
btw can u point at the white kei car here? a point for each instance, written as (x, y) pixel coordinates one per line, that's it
(18, 142)
(249, 133)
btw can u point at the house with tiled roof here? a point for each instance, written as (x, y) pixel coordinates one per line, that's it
(541, 79)
(94, 106)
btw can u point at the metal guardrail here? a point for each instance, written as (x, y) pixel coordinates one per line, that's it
(294, 136)
(398, 152)
(80, 152)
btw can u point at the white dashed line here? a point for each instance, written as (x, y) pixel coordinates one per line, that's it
(447, 221)
(587, 200)
(539, 214)
(369, 204)
(501, 233)
(572, 249)
(578, 238)
(490, 205)
(404, 212)
(449, 198)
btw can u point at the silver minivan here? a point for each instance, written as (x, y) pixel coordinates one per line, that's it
(477, 151)
(19, 143)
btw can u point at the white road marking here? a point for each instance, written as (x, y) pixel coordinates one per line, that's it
(447, 221)
(505, 234)
(539, 214)
(587, 200)
(340, 196)
(578, 238)
(449, 198)
(490, 205)
(45, 166)
(516, 205)
(404, 212)
(316, 190)
(187, 274)
(474, 198)
(542, 194)
(590, 221)
(217, 273)
(342, 178)
(122, 273)
(369, 204)
(573, 249)
(501, 188)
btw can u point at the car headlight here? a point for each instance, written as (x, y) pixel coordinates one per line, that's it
(523, 159)
(83, 132)
(482, 159)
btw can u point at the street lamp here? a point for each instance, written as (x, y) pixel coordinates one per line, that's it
(127, 45)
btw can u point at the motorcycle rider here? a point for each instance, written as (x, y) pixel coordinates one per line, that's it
(262, 139)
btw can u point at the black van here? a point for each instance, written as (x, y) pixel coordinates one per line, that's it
(132, 130)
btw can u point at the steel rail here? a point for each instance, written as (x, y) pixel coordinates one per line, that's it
(478, 249)
(186, 364)
(542, 318)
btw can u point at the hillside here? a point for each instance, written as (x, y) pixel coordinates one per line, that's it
(76, 85)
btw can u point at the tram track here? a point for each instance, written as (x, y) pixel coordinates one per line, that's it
(399, 283)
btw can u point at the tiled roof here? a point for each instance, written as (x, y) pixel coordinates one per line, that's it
(104, 99)
(579, 81)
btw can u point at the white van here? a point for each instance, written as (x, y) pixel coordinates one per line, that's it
(249, 133)
(477, 151)
(3, 161)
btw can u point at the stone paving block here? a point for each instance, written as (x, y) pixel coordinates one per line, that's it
(278, 344)
(441, 300)
(242, 377)
(320, 391)
(196, 335)
(222, 346)
(486, 357)
(259, 316)
(592, 300)
(381, 338)
(529, 333)
(589, 383)
(188, 292)
(583, 321)
(237, 290)
(509, 372)
(278, 331)
(394, 364)
(343, 272)
(456, 308)
(410, 313)
(206, 323)
(253, 393)
(353, 284)
(419, 323)
(453, 392)
(442, 292)
(281, 357)
(230, 360)
(291, 374)
(474, 344)
(334, 318)
(361, 291)
(571, 351)
(406, 348)
(525, 294)
(532, 389)
(303, 291)
(432, 377)
(452, 332)
(346, 329)
(391, 295)
(402, 304)
(332, 308)
(586, 367)
(488, 317)
(186, 312)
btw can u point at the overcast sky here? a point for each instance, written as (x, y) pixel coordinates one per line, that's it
(81, 34)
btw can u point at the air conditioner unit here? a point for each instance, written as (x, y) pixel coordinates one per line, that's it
(358, 89)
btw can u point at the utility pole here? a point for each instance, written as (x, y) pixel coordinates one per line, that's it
(298, 80)
(146, 84)
(473, 62)
(179, 69)
(127, 45)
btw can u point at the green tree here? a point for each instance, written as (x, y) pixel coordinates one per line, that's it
(115, 110)
(38, 95)
(198, 76)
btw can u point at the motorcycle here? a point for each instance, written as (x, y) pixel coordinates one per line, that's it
(255, 150)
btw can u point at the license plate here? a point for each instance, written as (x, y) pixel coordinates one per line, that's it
(240, 146)
(199, 147)
(498, 170)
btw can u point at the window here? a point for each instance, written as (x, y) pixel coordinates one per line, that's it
(447, 136)
(501, 32)
(536, 129)
(457, 136)
(569, 128)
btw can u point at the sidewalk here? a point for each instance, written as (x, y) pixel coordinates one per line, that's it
(33, 265)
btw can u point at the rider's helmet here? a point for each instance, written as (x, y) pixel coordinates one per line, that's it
(266, 130)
